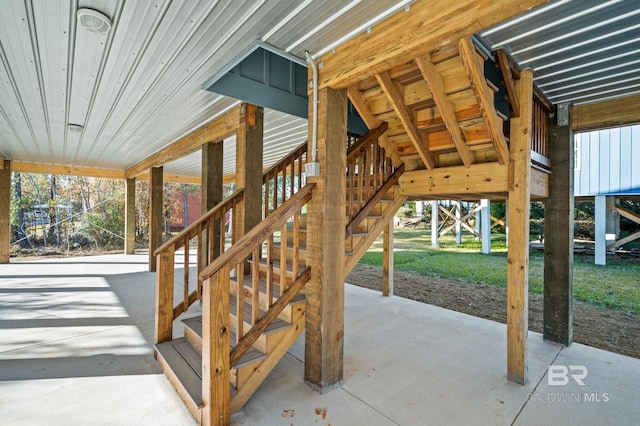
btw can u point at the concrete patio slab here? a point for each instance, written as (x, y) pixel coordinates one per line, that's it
(76, 348)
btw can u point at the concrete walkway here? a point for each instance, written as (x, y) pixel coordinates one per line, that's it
(76, 348)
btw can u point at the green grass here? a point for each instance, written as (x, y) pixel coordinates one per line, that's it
(615, 286)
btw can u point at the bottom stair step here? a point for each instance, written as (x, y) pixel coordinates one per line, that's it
(177, 362)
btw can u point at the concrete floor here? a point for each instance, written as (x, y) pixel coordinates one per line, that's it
(76, 348)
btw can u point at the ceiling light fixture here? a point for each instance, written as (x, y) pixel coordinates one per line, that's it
(94, 21)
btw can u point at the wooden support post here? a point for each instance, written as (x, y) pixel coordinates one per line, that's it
(130, 217)
(518, 256)
(211, 192)
(558, 241)
(601, 229)
(326, 214)
(5, 211)
(164, 296)
(216, 328)
(387, 260)
(155, 214)
(249, 142)
(485, 225)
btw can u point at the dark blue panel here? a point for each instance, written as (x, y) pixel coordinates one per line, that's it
(280, 73)
(271, 81)
(253, 66)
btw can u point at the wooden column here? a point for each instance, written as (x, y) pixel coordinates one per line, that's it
(435, 212)
(387, 260)
(485, 225)
(211, 189)
(155, 214)
(518, 256)
(130, 216)
(326, 237)
(558, 233)
(249, 141)
(5, 210)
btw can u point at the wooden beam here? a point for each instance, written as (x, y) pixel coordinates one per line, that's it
(482, 177)
(505, 64)
(605, 114)
(447, 110)
(518, 239)
(249, 154)
(405, 35)
(130, 217)
(394, 94)
(475, 72)
(324, 340)
(387, 259)
(57, 169)
(173, 178)
(372, 122)
(213, 131)
(5, 211)
(155, 214)
(558, 241)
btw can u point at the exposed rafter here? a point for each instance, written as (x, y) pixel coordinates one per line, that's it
(395, 97)
(372, 122)
(478, 84)
(506, 68)
(447, 110)
(214, 130)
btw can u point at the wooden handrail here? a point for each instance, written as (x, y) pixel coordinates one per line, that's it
(243, 247)
(261, 326)
(301, 149)
(192, 229)
(364, 212)
(369, 137)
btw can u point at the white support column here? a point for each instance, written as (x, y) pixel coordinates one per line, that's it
(458, 223)
(479, 224)
(485, 225)
(601, 229)
(434, 223)
(419, 208)
(613, 220)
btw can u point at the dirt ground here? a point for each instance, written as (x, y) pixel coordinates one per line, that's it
(601, 328)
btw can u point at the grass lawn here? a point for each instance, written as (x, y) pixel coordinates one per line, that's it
(615, 286)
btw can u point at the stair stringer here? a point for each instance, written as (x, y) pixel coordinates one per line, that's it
(275, 354)
(352, 259)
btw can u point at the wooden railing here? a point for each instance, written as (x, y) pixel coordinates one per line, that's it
(539, 137)
(245, 256)
(369, 173)
(283, 179)
(208, 232)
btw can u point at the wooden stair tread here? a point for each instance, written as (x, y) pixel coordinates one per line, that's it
(195, 324)
(182, 371)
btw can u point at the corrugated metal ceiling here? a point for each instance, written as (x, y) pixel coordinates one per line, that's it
(71, 97)
(580, 50)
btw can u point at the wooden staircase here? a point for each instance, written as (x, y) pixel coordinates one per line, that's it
(252, 292)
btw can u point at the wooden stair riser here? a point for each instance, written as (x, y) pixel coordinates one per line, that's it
(286, 313)
(302, 253)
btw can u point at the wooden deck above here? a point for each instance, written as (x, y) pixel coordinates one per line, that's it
(443, 123)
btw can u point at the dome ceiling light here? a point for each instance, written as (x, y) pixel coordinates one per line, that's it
(94, 21)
